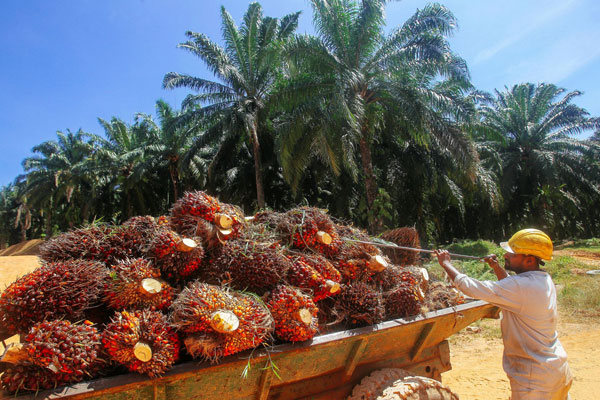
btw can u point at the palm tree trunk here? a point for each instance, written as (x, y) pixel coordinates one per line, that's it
(370, 184)
(175, 180)
(49, 222)
(260, 192)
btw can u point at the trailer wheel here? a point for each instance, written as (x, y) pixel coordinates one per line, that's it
(417, 388)
(382, 385)
(372, 386)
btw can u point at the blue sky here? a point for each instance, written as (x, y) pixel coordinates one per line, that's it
(66, 63)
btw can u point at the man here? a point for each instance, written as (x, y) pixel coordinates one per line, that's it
(534, 359)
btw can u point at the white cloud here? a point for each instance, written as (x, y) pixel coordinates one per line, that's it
(558, 60)
(533, 23)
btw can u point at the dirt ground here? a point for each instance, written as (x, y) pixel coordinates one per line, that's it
(477, 362)
(476, 357)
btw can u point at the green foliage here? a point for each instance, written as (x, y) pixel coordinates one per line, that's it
(475, 248)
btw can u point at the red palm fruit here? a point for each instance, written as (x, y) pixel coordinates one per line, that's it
(219, 322)
(143, 341)
(394, 275)
(137, 233)
(308, 227)
(301, 274)
(403, 301)
(360, 305)
(196, 203)
(55, 290)
(323, 266)
(182, 263)
(295, 314)
(198, 214)
(74, 350)
(30, 377)
(405, 237)
(248, 265)
(164, 243)
(135, 284)
(87, 243)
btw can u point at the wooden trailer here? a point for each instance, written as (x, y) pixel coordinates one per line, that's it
(328, 367)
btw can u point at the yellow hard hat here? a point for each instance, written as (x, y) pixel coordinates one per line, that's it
(530, 242)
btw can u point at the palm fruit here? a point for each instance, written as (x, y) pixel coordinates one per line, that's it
(87, 243)
(136, 234)
(30, 377)
(190, 214)
(63, 347)
(54, 290)
(403, 301)
(258, 267)
(177, 257)
(134, 284)
(143, 341)
(405, 237)
(360, 305)
(54, 353)
(166, 242)
(308, 227)
(219, 322)
(394, 275)
(358, 261)
(303, 274)
(295, 314)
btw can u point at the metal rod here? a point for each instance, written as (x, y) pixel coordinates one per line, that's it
(394, 246)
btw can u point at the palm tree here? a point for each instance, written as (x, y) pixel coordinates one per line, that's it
(246, 69)
(56, 172)
(168, 146)
(545, 171)
(120, 159)
(362, 77)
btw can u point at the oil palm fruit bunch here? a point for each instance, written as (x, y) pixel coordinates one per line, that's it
(405, 300)
(54, 353)
(29, 377)
(190, 214)
(219, 322)
(89, 243)
(258, 267)
(405, 237)
(359, 304)
(312, 228)
(136, 284)
(134, 236)
(52, 291)
(358, 261)
(143, 341)
(304, 274)
(295, 314)
(64, 347)
(394, 275)
(176, 256)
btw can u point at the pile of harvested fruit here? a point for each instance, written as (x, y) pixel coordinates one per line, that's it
(203, 282)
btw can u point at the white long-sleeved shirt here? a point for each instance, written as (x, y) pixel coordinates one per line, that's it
(533, 357)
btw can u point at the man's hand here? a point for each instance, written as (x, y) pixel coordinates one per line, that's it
(444, 260)
(442, 256)
(492, 261)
